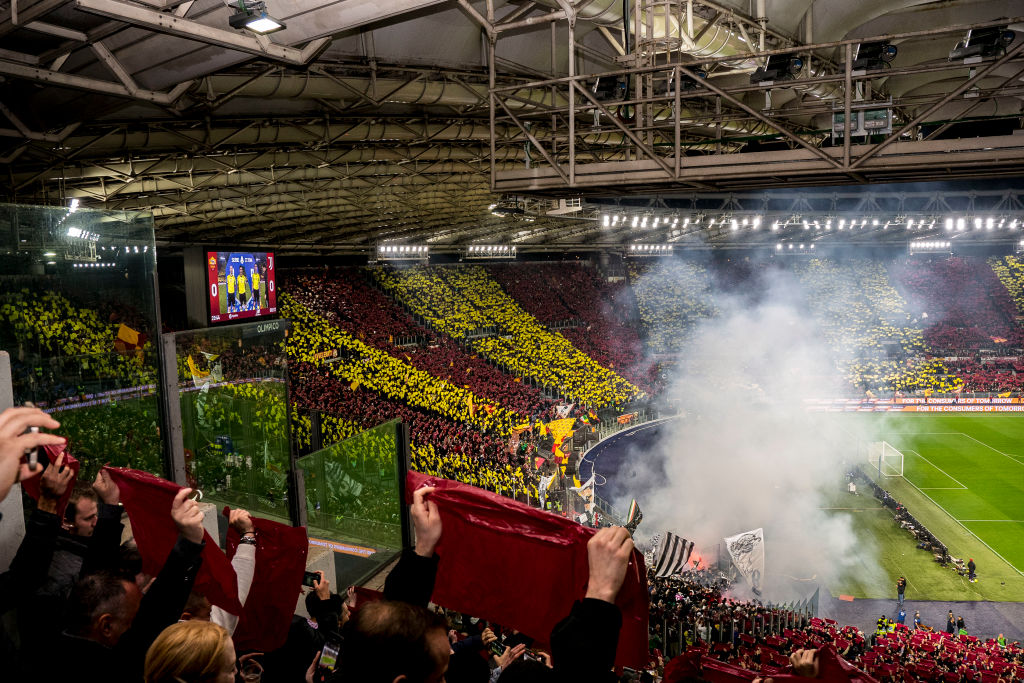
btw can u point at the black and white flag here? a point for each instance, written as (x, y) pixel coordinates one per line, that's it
(672, 556)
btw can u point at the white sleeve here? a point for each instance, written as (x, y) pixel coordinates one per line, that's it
(244, 564)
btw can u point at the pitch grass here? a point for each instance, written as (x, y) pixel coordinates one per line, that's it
(964, 480)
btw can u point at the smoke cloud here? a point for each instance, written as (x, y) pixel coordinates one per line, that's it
(747, 454)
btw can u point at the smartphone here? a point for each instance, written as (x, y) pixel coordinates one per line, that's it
(310, 579)
(497, 648)
(329, 656)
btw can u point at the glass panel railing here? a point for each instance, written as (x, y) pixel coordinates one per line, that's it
(78, 318)
(354, 499)
(234, 418)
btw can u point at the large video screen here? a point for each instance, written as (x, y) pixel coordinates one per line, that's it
(241, 284)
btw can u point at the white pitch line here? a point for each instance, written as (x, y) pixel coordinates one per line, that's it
(910, 450)
(1015, 521)
(1005, 455)
(1008, 563)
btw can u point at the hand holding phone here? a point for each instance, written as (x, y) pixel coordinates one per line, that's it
(329, 656)
(310, 579)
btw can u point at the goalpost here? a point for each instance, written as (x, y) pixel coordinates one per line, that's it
(885, 459)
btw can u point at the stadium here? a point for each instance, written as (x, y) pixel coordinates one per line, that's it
(616, 340)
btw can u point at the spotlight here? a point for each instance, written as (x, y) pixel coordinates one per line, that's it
(73, 205)
(778, 68)
(983, 42)
(949, 224)
(252, 15)
(874, 55)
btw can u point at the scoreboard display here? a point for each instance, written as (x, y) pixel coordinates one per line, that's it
(241, 285)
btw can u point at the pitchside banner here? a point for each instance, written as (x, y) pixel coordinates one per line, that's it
(916, 405)
(747, 553)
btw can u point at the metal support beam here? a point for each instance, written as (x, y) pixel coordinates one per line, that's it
(534, 141)
(477, 17)
(1010, 54)
(14, 17)
(980, 101)
(629, 133)
(59, 31)
(557, 15)
(759, 116)
(92, 84)
(116, 68)
(191, 30)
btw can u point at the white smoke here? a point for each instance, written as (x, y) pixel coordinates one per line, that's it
(748, 454)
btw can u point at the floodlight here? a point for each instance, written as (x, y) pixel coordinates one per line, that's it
(983, 42)
(778, 68)
(687, 84)
(610, 88)
(874, 55)
(252, 15)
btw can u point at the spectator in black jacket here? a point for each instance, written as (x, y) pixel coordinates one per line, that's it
(111, 624)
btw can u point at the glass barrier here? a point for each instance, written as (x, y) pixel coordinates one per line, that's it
(78, 317)
(234, 418)
(354, 499)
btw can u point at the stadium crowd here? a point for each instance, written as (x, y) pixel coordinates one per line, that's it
(671, 297)
(965, 305)
(864, 320)
(604, 327)
(692, 613)
(346, 298)
(363, 365)
(1010, 271)
(463, 301)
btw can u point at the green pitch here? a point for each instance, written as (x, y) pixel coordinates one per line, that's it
(964, 480)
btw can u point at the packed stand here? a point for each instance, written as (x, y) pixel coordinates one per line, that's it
(49, 324)
(996, 376)
(364, 366)
(604, 313)
(865, 321)
(692, 613)
(1010, 271)
(346, 298)
(962, 302)
(673, 296)
(466, 303)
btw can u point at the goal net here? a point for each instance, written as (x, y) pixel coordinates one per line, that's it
(885, 459)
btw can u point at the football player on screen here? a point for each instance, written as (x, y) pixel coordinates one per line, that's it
(255, 287)
(243, 295)
(230, 277)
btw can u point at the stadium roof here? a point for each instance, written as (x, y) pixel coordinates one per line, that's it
(368, 123)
